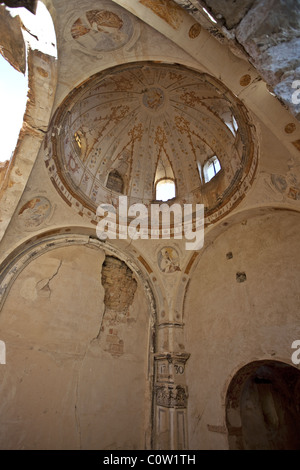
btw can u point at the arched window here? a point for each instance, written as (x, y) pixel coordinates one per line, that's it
(165, 189)
(115, 181)
(211, 168)
(200, 171)
(230, 122)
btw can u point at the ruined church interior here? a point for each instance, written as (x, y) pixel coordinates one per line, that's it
(148, 342)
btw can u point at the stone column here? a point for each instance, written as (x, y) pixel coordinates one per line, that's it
(170, 401)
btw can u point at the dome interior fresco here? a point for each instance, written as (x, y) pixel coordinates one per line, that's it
(127, 128)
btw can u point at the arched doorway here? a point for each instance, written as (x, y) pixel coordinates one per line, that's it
(262, 407)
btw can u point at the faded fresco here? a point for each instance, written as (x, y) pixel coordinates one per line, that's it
(165, 9)
(102, 30)
(144, 122)
(34, 212)
(168, 260)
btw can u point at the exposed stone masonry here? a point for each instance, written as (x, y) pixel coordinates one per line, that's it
(120, 287)
(267, 30)
(31, 5)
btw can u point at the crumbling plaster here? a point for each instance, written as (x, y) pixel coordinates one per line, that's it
(264, 32)
(187, 306)
(65, 337)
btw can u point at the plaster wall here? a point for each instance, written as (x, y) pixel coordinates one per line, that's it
(63, 386)
(242, 305)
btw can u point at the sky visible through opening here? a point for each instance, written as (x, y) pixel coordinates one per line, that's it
(165, 190)
(13, 84)
(13, 97)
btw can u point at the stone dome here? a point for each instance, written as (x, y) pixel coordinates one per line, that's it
(127, 128)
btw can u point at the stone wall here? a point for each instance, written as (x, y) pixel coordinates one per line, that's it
(268, 31)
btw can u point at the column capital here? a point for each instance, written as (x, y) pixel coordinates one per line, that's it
(171, 396)
(172, 357)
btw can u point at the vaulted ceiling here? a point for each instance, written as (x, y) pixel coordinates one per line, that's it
(149, 121)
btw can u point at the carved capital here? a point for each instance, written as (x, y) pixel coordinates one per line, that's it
(171, 397)
(181, 357)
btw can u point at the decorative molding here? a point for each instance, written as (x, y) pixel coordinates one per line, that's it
(171, 396)
(78, 168)
(170, 368)
(171, 357)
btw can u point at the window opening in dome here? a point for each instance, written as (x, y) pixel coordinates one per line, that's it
(231, 123)
(165, 190)
(235, 124)
(211, 168)
(115, 181)
(200, 171)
